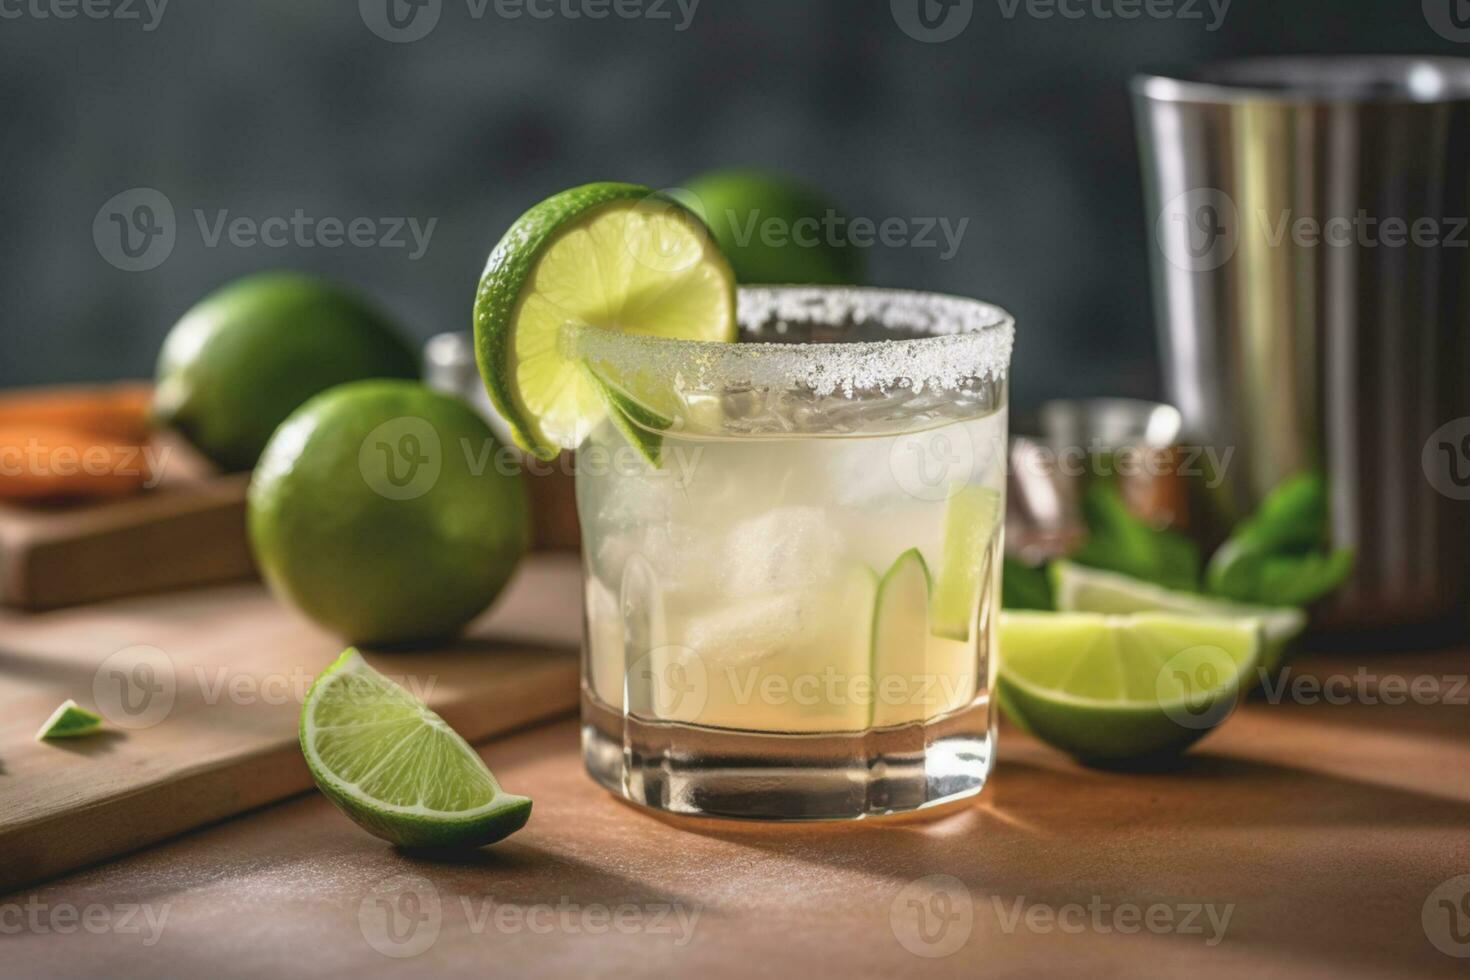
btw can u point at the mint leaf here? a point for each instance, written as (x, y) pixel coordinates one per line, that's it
(1292, 518)
(1025, 586)
(1117, 541)
(1300, 579)
(1279, 555)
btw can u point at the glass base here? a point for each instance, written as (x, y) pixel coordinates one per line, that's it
(699, 771)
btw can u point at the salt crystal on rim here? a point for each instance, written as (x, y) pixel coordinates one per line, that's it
(959, 340)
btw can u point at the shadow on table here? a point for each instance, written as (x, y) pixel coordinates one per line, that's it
(525, 875)
(1270, 840)
(104, 742)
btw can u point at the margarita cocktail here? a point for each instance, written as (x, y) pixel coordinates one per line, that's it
(792, 557)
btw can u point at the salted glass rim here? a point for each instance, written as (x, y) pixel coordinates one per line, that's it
(947, 342)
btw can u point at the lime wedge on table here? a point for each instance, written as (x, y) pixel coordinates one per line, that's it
(602, 256)
(970, 521)
(916, 674)
(69, 720)
(1082, 589)
(1116, 688)
(395, 767)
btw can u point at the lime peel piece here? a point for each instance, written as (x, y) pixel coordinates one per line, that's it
(69, 720)
(969, 526)
(638, 423)
(900, 631)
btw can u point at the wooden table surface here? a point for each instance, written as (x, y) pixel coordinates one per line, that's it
(201, 692)
(1306, 838)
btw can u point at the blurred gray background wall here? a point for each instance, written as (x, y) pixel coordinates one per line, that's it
(1020, 124)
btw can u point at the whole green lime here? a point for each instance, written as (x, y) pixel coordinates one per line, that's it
(387, 512)
(248, 354)
(773, 229)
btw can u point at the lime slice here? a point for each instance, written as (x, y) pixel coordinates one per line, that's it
(70, 720)
(916, 674)
(1081, 589)
(641, 426)
(395, 767)
(969, 525)
(1119, 688)
(602, 256)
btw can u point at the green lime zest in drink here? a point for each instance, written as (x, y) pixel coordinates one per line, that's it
(900, 630)
(917, 674)
(969, 524)
(607, 256)
(69, 720)
(1120, 688)
(393, 765)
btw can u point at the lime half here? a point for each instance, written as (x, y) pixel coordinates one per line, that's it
(395, 767)
(970, 521)
(70, 720)
(601, 256)
(1120, 688)
(1081, 589)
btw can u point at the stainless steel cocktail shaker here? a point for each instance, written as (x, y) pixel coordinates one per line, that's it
(1311, 257)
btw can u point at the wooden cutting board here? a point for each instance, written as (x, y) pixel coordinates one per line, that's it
(186, 532)
(202, 691)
